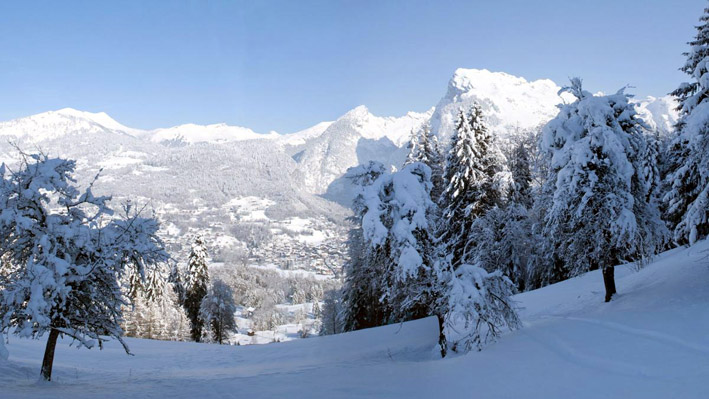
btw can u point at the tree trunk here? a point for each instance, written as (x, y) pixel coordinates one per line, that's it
(442, 337)
(609, 282)
(48, 361)
(219, 329)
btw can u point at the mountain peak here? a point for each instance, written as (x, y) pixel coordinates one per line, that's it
(53, 124)
(494, 83)
(100, 118)
(509, 102)
(358, 112)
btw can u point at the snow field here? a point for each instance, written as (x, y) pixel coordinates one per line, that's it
(651, 341)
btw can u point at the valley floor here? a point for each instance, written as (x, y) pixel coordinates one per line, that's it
(652, 341)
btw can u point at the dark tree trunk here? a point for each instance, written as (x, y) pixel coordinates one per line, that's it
(609, 282)
(441, 336)
(219, 329)
(48, 360)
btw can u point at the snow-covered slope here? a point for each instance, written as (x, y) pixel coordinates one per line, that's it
(216, 133)
(509, 102)
(301, 137)
(660, 113)
(355, 138)
(649, 342)
(55, 124)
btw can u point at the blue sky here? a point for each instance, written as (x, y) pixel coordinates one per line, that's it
(286, 65)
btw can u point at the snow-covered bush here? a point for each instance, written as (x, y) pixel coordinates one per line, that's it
(478, 306)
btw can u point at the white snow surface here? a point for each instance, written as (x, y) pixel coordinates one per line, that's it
(67, 121)
(301, 137)
(651, 341)
(216, 133)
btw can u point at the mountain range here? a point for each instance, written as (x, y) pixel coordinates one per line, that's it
(192, 175)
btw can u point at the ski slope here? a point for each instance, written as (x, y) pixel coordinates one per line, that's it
(651, 341)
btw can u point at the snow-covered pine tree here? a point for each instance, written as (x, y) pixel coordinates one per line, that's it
(544, 266)
(361, 289)
(501, 240)
(415, 151)
(686, 203)
(520, 191)
(599, 214)
(197, 285)
(424, 148)
(155, 312)
(471, 186)
(398, 224)
(175, 280)
(177, 324)
(333, 313)
(315, 309)
(64, 255)
(217, 310)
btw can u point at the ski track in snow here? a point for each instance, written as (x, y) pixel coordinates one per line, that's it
(644, 333)
(554, 343)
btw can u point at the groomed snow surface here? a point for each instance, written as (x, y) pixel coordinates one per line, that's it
(652, 341)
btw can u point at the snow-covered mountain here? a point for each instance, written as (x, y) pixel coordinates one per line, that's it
(215, 188)
(191, 173)
(509, 102)
(301, 137)
(216, 133)
(355, 138)
(660, 113)
(64, 122)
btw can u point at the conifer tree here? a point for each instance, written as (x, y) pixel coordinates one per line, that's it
(217, 310)
(362, 289)
(424, 148)
(315, 310)
(686, 202)
(175, 279)
(334, 313)
(520, 191)
(392, 274)
(398, 224)
(471, 188)
(155, 312)
(197, 284)
(599, 213)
